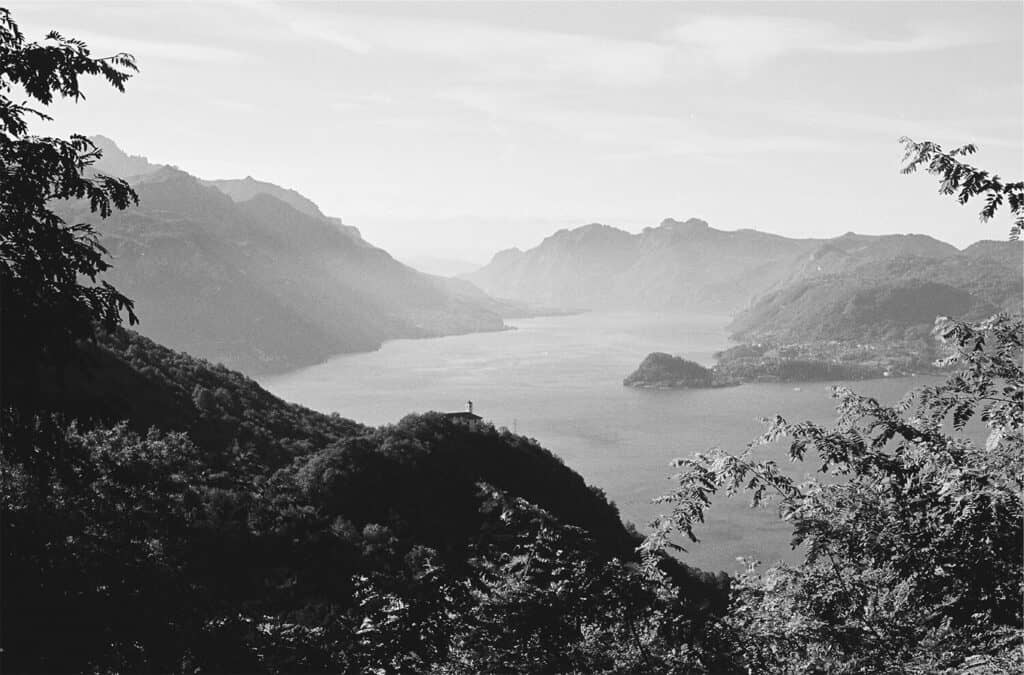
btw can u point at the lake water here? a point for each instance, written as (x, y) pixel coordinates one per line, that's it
(559, 380)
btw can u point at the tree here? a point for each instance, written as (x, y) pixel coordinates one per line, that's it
(49, 269)
(912, 541)
(966, 181)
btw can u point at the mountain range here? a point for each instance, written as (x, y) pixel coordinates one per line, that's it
(849, 287)
(253, 275)
(679, 264)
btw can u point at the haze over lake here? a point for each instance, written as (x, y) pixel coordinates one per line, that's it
(559, 380)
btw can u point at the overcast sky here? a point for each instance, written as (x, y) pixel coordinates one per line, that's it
(457, 130)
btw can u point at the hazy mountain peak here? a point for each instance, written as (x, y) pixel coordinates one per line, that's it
(689, 225)
(506, 256)
(116, 162)
(244, 189)
(586, 233)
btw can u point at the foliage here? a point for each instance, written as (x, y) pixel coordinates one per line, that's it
(138, 557)
(914, 541)
(289, 540)
(664, 370)
(966, 181)
(98, 531)
(44, 261)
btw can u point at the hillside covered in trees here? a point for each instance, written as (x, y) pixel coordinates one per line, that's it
(889, 301)
(251, 513)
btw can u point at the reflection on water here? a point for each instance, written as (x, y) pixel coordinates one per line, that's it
(559, 380)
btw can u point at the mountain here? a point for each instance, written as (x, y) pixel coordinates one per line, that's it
(678, 264)
(249, 280)
(116, 162)
(850, 251)
(244, 189)
(891, 300)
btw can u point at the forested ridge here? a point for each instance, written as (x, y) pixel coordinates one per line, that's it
(892, 301)
(255, 510)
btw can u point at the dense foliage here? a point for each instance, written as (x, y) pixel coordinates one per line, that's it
(912, 539)
(49, 268)
(265, 531)
(163, 514)
(659, 369)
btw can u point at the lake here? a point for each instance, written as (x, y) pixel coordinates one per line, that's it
(559, 381)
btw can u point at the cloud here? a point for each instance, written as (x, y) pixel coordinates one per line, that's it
(102, 44)
(231, 105)
(362, 101)
(501, 52)
(629, 134)
(742, 42)
(888, 127)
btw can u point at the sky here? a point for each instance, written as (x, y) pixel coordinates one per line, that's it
(455, 130)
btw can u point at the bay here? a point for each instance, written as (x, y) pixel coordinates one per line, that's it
(559, 381)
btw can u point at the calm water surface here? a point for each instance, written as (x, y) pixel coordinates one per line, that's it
(559, 380)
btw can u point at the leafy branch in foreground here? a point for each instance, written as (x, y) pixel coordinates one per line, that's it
(911, 546)
(966, 181)
(49, 268)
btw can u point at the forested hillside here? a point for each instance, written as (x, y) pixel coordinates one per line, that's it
(889, 301)
(261, 532)
(228, 271)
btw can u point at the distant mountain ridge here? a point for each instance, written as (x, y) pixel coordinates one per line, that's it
(243, 189)
(231, 272)
(677, 264)
(683, 265)
(116, 162)
(873, 319)
(887, 301)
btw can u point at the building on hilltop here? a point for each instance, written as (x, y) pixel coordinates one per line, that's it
(464, 416)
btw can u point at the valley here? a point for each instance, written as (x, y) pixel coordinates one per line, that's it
(559, 380)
